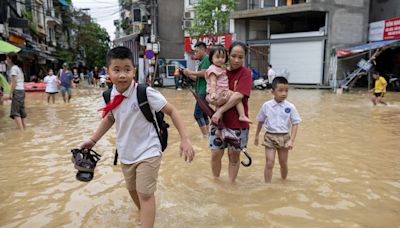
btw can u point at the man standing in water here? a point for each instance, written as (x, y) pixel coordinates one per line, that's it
(66, 82)
(201, 85)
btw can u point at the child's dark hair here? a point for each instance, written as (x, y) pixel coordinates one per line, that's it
(238, 43)
(217, 49)
(201, 44)
(119, 53)
(279, 80)
(13, 57)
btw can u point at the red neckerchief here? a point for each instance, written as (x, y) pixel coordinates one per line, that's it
(117, 100)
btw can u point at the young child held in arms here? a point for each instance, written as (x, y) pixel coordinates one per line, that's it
(218, 92)
(379, 90)
(52, 84)
(138, 145)
(277, 116)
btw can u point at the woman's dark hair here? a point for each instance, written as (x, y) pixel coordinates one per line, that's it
(217, 49)
(279, 80)
(13, 57)
(119, 53)
(238, 43)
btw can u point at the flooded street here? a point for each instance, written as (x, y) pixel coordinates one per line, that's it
(344, 170)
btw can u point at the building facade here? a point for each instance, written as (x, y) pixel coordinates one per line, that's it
(297, 36)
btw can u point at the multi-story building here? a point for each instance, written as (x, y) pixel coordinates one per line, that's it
(298, 36)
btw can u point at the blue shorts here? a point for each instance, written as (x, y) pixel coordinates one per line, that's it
(64, 89)
(216, 143)
(199, 115)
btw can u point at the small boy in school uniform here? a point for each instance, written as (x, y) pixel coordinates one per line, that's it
(277, 116)
(138, 145)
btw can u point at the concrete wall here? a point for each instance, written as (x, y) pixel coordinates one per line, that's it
(384, 9)
(347, 26)
(170, 29)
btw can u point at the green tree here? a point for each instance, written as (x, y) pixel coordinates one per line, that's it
(209, 12)
(94, 42)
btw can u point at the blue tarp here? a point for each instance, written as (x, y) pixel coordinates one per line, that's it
(365, 47)
(64, 3)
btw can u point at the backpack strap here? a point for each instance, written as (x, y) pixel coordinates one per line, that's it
(107, 98)
(145, 107)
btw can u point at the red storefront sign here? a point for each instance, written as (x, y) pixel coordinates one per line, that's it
(392, 29)
(224, 39)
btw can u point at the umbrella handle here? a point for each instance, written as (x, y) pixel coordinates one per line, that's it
(248, 158)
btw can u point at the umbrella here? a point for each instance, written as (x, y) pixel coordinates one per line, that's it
(228, 134)
(6, 47)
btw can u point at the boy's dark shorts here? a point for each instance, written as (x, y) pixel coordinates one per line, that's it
(18, 104)
(379, 94)
(216, 143)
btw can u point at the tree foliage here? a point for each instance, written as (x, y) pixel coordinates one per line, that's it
(207, 12)
(94, 41)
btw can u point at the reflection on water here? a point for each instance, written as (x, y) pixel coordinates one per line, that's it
(343, 172)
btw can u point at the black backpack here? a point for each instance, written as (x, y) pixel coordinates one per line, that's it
(157, 119)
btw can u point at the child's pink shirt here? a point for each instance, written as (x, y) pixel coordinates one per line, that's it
(222, 79)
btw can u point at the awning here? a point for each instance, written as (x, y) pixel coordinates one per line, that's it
(366, 47)
(6, 47)
(64, 3)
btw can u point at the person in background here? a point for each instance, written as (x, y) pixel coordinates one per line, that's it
(76, 78)
(379, 90)
(52, 84)
(271, 74)
(17, 92)
(277, 116)
(200, 51)
(66, 82)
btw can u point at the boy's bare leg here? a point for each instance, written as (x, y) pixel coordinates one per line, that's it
(269, 164)
(242, 115)
(373, 99)
(234, 164)
(216, 157)
(135, 198)
(379, 100)
(147, 210)
(48, 98)
(53, 97)
(283, 154)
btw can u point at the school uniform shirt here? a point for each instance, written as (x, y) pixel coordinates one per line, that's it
(278, 117)
(51, 83)
(15, 71)
(137, 138)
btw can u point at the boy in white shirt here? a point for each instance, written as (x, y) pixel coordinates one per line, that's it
(138, 145)
(277, 116)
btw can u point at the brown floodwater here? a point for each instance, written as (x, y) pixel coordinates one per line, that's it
(344, 170)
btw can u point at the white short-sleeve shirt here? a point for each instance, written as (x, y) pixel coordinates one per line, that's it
(136, 137)
(278, 117)
(15, 71)
(51, 83)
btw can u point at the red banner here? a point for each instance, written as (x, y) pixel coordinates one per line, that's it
(392, 29)
(224, 39)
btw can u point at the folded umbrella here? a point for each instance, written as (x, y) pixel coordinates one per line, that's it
(228, 134)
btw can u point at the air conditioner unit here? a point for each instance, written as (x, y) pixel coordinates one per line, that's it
(187, 24)
(188, 15)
